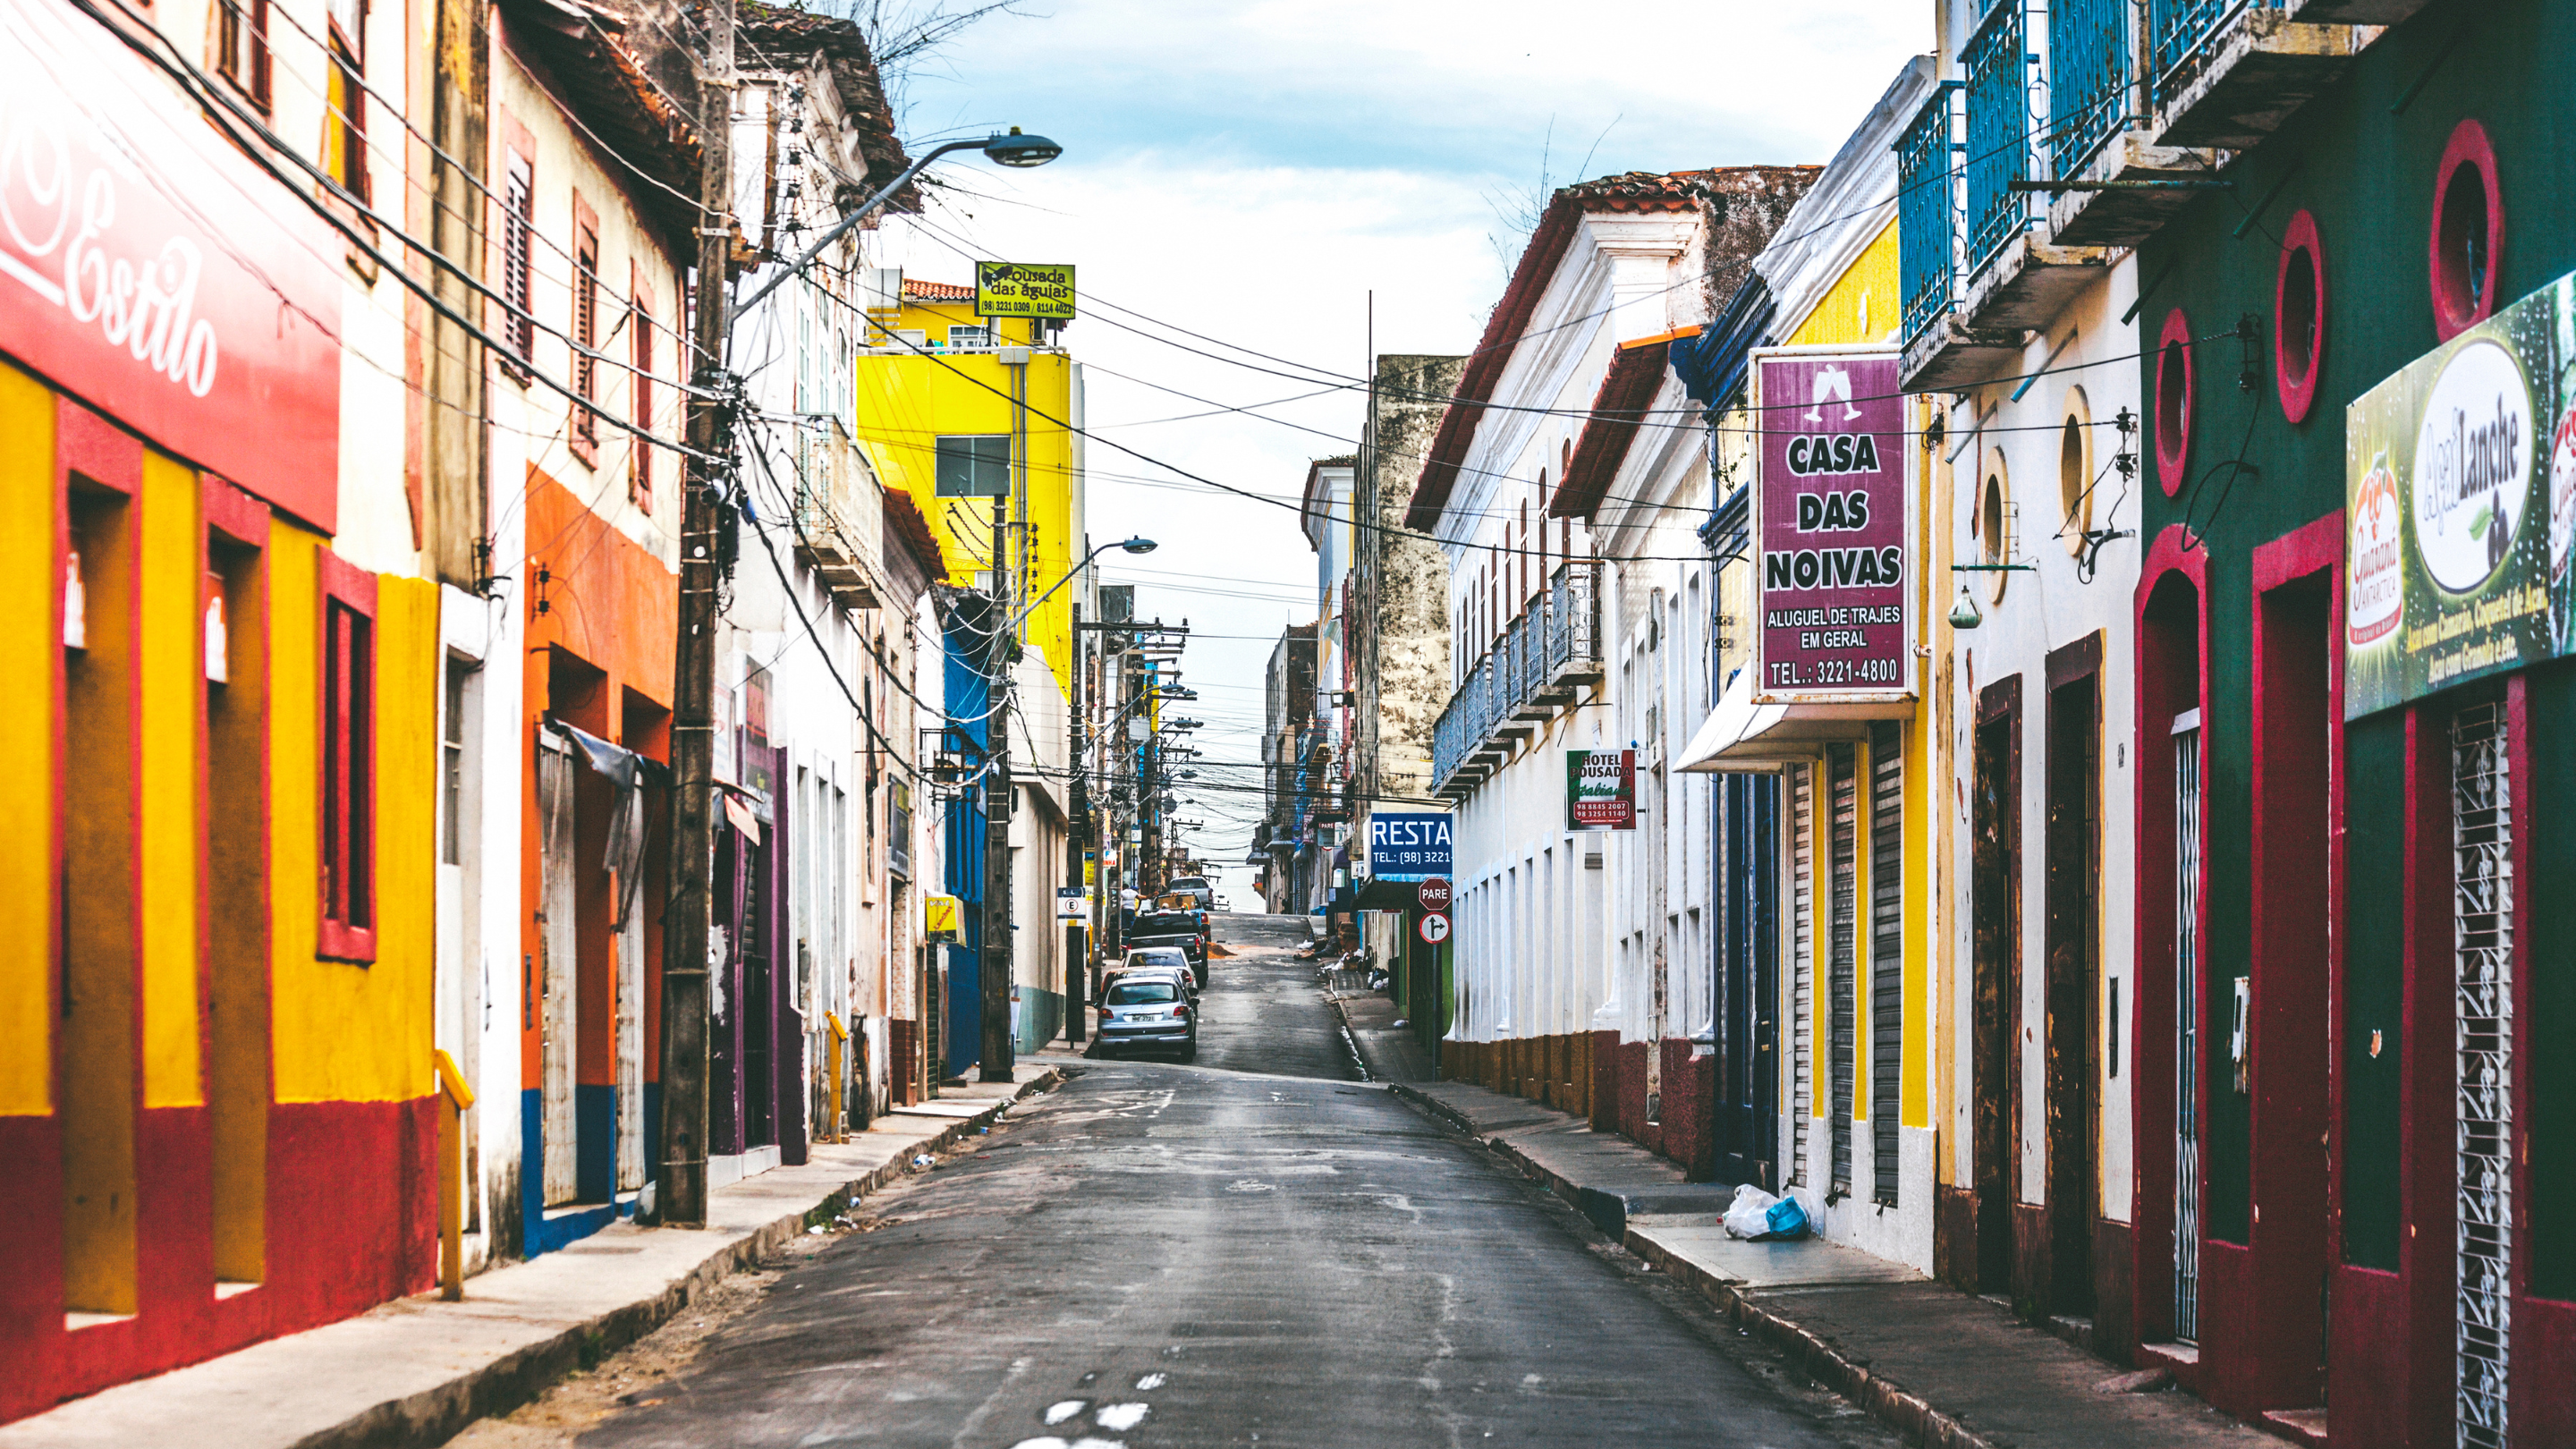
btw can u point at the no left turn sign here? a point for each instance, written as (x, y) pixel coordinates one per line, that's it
(1434, 929)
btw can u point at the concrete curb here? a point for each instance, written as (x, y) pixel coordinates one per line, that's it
(1918, 1421)
(434, 1416)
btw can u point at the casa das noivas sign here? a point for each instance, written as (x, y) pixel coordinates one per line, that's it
(2460, 502)
(1834, 528)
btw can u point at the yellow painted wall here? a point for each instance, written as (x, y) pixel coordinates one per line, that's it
(172, 683)
(907, 401)
(345, 1032)
(1862, 308)
(27, 650)
(1863, 305)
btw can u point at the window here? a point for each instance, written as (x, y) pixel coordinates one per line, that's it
(974, 467)
(451, 766)
(2299, 317)
(345, 800)
(2173, 402)
(977, 336)
(241, 47)
(2468, 232)
(2075, 473)
(1995, 526)
(639, 321)
(518, 240)
(344, 130)
(585, 332)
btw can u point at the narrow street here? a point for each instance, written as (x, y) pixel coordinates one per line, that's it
(1255, 1250)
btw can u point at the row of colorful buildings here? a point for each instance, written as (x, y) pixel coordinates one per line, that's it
(345, 361)
(2010, 687)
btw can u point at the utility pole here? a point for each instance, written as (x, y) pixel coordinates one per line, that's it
(1000, 1047)
(681, 1184)
(1077, 833)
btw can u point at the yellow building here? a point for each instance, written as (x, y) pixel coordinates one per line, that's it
(936, 416)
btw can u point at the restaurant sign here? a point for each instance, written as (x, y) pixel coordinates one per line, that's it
(1601, 789)
(2460, 508)
(1408, 846)
(1832, 525)
(153, 271)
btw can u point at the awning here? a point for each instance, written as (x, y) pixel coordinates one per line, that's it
(1740, 736)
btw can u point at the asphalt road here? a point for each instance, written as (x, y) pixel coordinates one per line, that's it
(1255, 1250)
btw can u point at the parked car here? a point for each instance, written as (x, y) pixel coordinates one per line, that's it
(1172, 957)
(1147, 1009)
(1183, 929)
(1200, 890)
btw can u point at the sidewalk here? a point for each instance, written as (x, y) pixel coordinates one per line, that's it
(1937, 1365)
(1387, 1052)
(416, 1371)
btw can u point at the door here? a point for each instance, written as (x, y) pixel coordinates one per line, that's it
(558, 970)
(1996, 871)
(2187, 1027)
(2074, 864)
(2482, 1066)
(1748, 1001)
(628, 826)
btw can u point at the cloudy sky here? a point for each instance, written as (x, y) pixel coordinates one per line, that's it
(1252, 170)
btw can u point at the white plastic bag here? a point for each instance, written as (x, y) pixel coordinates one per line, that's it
(1749, 1215)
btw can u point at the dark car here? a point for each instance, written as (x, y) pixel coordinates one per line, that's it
(1184, 929)
(1147, 1010)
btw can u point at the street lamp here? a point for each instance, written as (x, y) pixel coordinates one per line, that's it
(1131, 545)
(1009, 148)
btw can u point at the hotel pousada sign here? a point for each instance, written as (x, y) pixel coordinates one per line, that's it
(1832, 525)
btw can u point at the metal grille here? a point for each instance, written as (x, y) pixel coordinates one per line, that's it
(1886, 948)
(1802, 963)
(1927, 212)
(2482, 926)
(2088, 79)
(2186, 1305)
(1997, 62)
(1845, 785)
(2179, 28)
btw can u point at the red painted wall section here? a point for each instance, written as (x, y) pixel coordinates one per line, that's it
(2366, 1380)
(352, 1222)
(1689, 1098)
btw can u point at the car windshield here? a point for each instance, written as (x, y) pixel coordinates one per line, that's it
(1162, 956)
(1141, 993)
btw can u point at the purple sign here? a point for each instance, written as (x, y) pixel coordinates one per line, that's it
(1831, 520)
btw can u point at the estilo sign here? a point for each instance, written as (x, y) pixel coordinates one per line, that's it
(152, 270)
(1833, 514)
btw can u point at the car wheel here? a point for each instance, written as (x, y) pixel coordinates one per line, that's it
(1190, 1053)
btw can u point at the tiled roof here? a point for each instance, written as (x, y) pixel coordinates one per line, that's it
(920, 291)
(1628, 389)
(776, 35)
(1634, 191)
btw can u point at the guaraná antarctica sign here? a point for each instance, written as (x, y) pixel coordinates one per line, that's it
(1830, 515)
(2460, 498)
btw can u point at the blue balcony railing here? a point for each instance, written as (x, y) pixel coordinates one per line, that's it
(2088, 80)
(1555, 642)
(2178, 29)
(1998, 66)
(1927, 211)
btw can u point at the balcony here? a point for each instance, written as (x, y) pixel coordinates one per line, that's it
(1539, 666)
(2227, 73)
(1940, 350)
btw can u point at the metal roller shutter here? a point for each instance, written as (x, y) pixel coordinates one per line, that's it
(1886, 948)
(1844, 782)
(1802, 962)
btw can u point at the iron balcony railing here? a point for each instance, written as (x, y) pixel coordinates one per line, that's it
(2089, 88)
(2178, 30)
(1553, 643)
(1998, 66)
(1927, 211)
